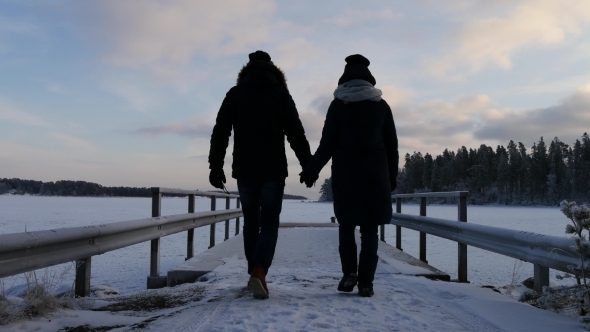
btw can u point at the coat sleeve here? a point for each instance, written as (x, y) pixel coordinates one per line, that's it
(295, 133)
(328, 142)
(390, 142)
(221, 132)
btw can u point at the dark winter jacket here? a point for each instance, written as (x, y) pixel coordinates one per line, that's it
(261, 113)
(360, 138)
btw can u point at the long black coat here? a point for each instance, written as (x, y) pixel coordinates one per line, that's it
(261, 112)
(360, 138)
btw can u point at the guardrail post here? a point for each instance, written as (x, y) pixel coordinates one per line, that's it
(238, 218)
(154, 280)
(227, 221)
(212, 229)
(462, 248)
(82, 288)
(190, 239)
(422, 234)
(398, 229)
(541, 278)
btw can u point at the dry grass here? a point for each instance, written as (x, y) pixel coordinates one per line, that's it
(516, 276)
(38, 299)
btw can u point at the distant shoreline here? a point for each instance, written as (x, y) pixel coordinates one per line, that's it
(68, 188)
(285, 196)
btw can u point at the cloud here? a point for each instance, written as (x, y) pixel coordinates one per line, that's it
(135, 95)
(11, 113)
(154, 34)
(396, 96)
(298, 51)
(568, 120)
(470, 121)
(192, 128)
(73, 142)
(493, 41)
(435, 125)
(352, 17)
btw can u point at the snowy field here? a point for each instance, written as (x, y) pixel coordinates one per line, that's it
(126, 269)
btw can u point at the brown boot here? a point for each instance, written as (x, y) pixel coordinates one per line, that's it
(257, 283)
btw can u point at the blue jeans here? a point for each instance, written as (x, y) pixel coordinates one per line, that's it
(262, 202)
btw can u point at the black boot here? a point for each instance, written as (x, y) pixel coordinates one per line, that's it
(347, 283)
(349, 266)
(366, 274)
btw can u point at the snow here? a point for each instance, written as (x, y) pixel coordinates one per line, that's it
(303, 297)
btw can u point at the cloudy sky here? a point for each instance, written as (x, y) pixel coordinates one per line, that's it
(126, 92)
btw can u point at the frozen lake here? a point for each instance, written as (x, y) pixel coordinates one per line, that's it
(126, 269)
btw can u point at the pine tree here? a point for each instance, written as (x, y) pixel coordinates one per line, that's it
(427, 173)
(326, 191)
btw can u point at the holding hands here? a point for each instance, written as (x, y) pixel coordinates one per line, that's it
(308, 179)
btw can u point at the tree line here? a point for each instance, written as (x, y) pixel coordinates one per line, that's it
(510, 175)
(68, 188)
(81, 188)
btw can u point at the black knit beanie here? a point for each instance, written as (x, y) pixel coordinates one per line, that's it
(357, 67)
(259, 56)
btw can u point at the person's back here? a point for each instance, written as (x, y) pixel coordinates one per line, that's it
(359, 147)
(359, 125)
(359, 135)
(261, 96)
(261, 113)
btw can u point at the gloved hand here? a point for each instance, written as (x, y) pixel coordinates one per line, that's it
(393, 184)
(309, 179)
(217, 178)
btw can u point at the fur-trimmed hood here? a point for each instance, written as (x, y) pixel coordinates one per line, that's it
(262, 73)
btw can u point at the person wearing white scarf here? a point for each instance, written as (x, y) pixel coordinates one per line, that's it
(357, 90)
(359, 136)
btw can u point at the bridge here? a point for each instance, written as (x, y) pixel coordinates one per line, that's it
(207, 291)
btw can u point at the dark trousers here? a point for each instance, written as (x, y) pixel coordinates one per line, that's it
(368, 254)
(262, 202)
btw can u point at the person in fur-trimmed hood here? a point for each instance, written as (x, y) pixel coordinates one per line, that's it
(359, 135)
(261, 113)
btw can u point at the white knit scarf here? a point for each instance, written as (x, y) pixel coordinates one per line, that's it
(357, 90)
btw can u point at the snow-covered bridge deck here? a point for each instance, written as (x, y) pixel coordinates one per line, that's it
(303, 297)
(299, 244)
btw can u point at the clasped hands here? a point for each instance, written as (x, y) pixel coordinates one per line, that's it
(308, 179)
(217, 178)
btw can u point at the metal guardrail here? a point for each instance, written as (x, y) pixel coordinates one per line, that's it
(435, 194)
(544, 251)
(550, 251)
(192, 192)
(23, 252)
(461, 216)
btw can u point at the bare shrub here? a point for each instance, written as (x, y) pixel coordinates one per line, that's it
(38, 299)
